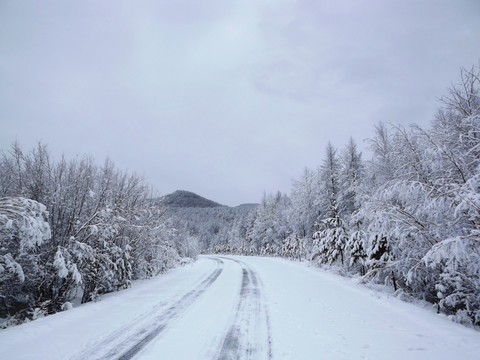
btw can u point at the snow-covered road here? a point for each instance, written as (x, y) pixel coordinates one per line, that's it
(243, 308)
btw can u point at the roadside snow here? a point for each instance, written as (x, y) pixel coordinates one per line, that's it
(310, 314)
(316, 314)
(63, 335)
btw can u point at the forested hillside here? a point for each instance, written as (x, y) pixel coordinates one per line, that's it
(215, 228)
(408, 217)
(186, 199)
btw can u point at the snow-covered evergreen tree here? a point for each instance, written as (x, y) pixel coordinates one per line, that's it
(331, 237)
(356, 248)
(351, 179)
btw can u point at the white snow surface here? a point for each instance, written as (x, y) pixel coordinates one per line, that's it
(243, 308)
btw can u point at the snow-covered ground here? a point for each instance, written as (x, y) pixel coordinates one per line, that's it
(243, 307)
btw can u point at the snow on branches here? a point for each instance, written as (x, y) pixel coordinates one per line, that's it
(24, 221)
(409, 217)
(71, 230)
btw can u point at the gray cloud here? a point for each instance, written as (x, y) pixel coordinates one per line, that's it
(225, 98)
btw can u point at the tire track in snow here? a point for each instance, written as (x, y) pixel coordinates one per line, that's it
(249, 337)
(123, 344)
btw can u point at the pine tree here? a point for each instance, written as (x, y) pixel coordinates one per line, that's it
(331, 237)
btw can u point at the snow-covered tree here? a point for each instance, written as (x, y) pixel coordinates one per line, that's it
(104, 230)
(351, 179)
(356, 246)
(331, 237)
(293, 247)
(329, 241)
(380, 257)
(305, 197)
(23, 229)
(271, 224)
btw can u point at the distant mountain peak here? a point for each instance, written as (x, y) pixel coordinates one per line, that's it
(187, 199)
(246, 206)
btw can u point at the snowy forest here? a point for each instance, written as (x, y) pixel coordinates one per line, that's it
(71, 230)
(407, 217)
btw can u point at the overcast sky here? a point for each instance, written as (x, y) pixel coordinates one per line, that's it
(224, 98)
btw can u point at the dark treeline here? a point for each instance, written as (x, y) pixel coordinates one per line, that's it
(409, 217)
(71, 230)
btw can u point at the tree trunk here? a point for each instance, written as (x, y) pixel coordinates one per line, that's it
(394, 281)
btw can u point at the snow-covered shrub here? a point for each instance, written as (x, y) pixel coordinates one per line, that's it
(292, 247)
(356, 250)
(66, 306)
(329, 242)
(457, 261)
(23, 228)
(37, 313)
(23, 221)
